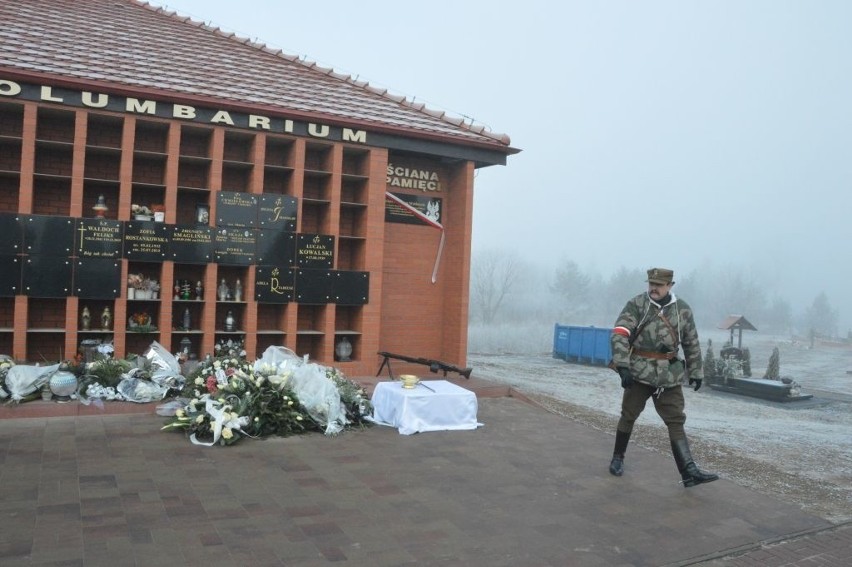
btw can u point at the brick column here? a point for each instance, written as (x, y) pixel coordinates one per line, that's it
(72, 324)
(78, 163)
(28, 137)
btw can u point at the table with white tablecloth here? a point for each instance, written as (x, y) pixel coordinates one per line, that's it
(432, 405)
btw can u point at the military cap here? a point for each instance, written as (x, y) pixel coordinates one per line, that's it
(660, 276)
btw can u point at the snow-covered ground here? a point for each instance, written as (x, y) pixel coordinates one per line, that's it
(798, 451)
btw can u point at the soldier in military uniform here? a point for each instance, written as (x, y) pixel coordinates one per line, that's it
(648, 334)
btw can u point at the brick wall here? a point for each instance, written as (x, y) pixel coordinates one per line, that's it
(46, 348)
(55, 125)
(195, 142)
(9, 194)
(10, 156)
(7, 314)
(46, 313)
(149, 169)
(412, 315)
(53, 161)
(51, 196)
(194, 175)
(102, 166)
(104, 132)
(11, 120)
(151, 137)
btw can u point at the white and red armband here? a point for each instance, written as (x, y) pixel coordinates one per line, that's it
(623, 331)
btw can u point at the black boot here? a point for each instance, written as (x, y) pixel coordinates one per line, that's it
(616, 465)
(689, 472)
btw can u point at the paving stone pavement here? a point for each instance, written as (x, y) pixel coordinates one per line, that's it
(529, 488)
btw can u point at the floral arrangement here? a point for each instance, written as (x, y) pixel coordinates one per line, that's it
(141, 323)
(230, 401)
(230, 348)
(353, 396)
(140, 319)
(230, 398)
(141, 210)
(107, 371)
(136, 281)
(140, 281)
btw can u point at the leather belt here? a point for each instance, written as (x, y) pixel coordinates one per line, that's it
(656, 355)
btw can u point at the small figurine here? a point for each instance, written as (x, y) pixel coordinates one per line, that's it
(230, 322)
(185, 289)
(86, 318)
(106, 319)
(199, 290)
(187, 319)
(224, 291)
(177, 290)
(238, 291)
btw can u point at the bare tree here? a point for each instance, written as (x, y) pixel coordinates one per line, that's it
(493, 275)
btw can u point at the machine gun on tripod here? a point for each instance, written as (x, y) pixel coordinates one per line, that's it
(434, 365)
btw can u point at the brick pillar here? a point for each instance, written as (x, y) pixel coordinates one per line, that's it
(249, 322)
(209, 318)
(167, 279)
(21, 322)
(78, 163)
(28, 137)
(119, 315)
(125, 172)
(171, 181)
(371, 313)
(72, 325)
(258, 157)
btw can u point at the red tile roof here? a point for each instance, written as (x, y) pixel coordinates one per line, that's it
(132, 45)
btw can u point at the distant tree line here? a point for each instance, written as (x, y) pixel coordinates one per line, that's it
(504, 288)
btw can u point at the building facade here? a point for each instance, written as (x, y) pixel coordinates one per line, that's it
(185, 186)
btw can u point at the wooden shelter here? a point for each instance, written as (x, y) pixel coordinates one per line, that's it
(738, 323)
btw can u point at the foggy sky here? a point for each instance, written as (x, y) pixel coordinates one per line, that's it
(659, 133)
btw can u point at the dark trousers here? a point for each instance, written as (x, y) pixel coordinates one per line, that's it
(669, 406)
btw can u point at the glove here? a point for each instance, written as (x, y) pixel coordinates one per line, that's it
(626, 377)
(697, 382)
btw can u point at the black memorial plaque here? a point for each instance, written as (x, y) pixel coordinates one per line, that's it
(46, 276)
(413, 209)
(11, 234)
(98, 238)
(235, 246)
(350, 288)
(276, 247)
(146, 241)
(313, 286)
(97, 278)
(10, 276)
(314, 251)
(191, 244)
(48, 236)
(273, 284)
(277, 211)
(238, 210)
